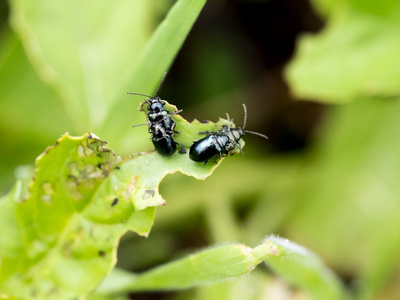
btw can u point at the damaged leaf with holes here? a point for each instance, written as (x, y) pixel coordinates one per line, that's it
(63, 236)
(59, 250)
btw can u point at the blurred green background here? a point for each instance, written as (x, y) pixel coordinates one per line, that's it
(320, 78)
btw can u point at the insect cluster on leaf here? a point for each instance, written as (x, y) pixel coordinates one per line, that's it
(162, 129)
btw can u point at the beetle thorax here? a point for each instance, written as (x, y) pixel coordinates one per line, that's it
(237, 133)
(155, 105)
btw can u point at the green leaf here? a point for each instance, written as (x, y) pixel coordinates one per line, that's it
(62, 252)
(208, 266)
(355, 171)
(93, 53)
(63, 237)
(355, 55)
(23, 94)
(11, 240)
(71, 43)
(53, 34)
(294, 263)
(304, 269)
(155, 58)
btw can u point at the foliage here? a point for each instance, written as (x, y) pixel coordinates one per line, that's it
(62, 238)
(65, 66)
(353, 56)
(291, 261)
(355, 164)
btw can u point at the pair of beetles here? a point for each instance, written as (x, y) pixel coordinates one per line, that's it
(162, 129)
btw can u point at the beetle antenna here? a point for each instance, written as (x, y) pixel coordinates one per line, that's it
(256, 133)
(155, 94)
(140, 94)
(245, 116)
(160, 84)
(141, 124)
(229, 121)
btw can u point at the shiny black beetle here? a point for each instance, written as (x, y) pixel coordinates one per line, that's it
(219, 143)
(163, 141)
(161, 126)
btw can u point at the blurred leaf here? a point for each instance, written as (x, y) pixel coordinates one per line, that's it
(293, 262)
(349, 209)
(155, 58)
(265, 188)
(81, 47)
(355, 55)
(19, 85)
(260, 285)
(303, 269)
(206, 267)
(23, 98)
(95, 52)
(106, 297)
(12, 241)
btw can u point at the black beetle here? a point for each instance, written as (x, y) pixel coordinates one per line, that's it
(161, 126)
(219, 143)
(162, 141)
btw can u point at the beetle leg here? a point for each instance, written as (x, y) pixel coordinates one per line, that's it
(217, 157)
(148, 123)
(240, 149)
